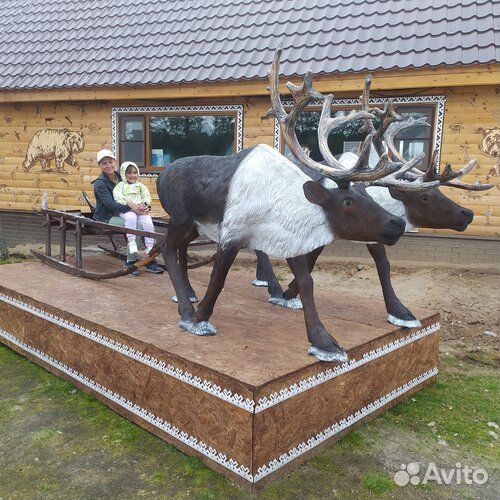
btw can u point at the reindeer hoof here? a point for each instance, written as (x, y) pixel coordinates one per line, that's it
(260, 283)
(405, 323)
(339, 356)
(294, 303)
(191, 299)
(203, 328)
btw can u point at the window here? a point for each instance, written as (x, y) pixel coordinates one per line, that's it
(173, 137)
(416, 140)
(132, 139)
(409, 142)
(155, 137)
(343, 140)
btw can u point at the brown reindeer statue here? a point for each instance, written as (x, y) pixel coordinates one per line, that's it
(261, 200)
(427, 208)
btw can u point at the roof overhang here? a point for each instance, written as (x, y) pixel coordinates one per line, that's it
(444, 76)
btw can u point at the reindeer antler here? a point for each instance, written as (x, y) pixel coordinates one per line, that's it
(446, 177)
(390, 123)
(409, 178)
(304, 95)
(431, 175)
(387, 116)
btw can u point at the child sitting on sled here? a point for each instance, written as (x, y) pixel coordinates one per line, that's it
(131, 190)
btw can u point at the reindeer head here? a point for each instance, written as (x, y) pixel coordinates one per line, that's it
(424, 204)
(353, 215)
(430, 208)
(434, 210)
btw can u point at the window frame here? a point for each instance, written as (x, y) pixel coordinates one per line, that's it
(122, 118)
(438, 102)
(146, 112)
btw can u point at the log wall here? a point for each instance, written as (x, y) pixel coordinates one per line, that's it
(470, 113)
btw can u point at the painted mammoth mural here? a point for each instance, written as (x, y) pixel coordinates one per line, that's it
(53, 144)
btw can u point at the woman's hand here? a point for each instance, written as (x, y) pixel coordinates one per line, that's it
(145, 209)
(137, 208)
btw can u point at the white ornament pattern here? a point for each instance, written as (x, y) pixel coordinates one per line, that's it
(230, 108)
(146, 415)
(314, 441)
(202, 384)
(321, 378)
(212, 388)
(202, 447)
(438, 100)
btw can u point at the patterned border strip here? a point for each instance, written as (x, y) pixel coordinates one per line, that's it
(320, 378)
(208, 386)
(202, 384)
(200, 446)
(159, 423)
(311, 443)
(439, 100)
(176, 110)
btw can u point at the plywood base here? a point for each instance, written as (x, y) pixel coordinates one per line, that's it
(250, 402)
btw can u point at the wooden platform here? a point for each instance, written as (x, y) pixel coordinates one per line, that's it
(250, 402)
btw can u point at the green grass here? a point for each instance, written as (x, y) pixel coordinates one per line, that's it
(378, 483)
(58, 442)
(460, 407)
(13, 260)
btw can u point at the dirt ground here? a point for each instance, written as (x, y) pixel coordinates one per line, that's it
(467, 299)
(453, 421)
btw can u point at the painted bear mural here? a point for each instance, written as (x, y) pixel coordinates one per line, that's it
(490, 143)
(54, 144)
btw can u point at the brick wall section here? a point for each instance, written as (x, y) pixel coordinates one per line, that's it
(23, 228)
(423, 248)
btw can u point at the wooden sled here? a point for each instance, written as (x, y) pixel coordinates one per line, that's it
(83, 224)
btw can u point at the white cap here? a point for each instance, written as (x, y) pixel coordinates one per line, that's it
(103, 153)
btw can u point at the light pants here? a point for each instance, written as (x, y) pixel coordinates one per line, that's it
(118, 221)
(131, 219)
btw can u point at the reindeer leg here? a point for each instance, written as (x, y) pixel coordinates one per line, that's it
(293, 288)
(175, 236)
(261, 271)
(183, 262)
(265, 268)
(266, 272)
(223, 261)
(323, 345)
(398, 314)
(273, 286)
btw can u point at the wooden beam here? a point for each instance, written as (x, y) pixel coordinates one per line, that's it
(452, 76)
(62, 240)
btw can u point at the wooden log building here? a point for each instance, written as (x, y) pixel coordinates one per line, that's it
(156, 80)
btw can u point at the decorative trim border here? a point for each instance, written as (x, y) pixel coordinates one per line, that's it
(321, 378)
(438, 100)
(212, 388)
(202, 384)
(159, 423)
(202, 447)
(337, 427)
(175, 110)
